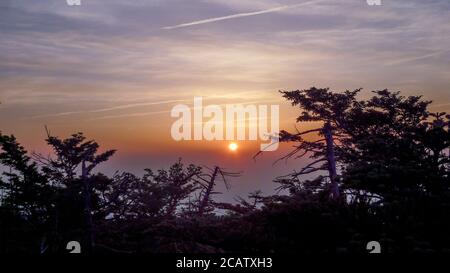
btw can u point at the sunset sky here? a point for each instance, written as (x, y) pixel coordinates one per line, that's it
(114, 69)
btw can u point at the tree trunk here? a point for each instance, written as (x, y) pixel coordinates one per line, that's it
(331, 160)
(87, 209)
(205, 199)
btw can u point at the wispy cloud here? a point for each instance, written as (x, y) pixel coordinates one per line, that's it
(417, 58)
(238, 15)
(118, 107)
(140, 114)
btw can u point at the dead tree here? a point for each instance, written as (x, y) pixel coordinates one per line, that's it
(331, 160)
(207, 183)
(87, 205)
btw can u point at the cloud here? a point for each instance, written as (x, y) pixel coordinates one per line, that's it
(119, 107)
(238, 15)
(56, 61)
(417, 58)
(141, 114)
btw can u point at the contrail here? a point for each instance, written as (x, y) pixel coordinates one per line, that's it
(140, 114)
(118, 107)
(238, 15)
(416, 58)
(131, 115)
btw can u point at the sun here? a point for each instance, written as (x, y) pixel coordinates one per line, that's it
(233, 146)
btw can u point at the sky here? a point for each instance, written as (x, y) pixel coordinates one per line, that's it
(114, 69)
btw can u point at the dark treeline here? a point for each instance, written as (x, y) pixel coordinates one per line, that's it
(380, 168)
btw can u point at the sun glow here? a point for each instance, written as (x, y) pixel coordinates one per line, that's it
(233, 146)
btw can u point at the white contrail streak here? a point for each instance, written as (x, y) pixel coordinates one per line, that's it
(118, 107)
(417, 58)
(238, 15)
(140, 114)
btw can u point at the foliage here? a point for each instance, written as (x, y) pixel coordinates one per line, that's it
(391, 153)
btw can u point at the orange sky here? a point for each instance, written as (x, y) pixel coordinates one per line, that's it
(115, 71)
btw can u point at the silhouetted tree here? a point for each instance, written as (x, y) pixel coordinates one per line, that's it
(328, 108)
(26, 194)
(384, 160)
(207, 183)
(72, 154)
(395, 147)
